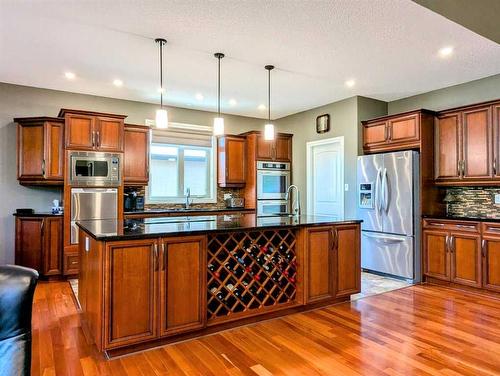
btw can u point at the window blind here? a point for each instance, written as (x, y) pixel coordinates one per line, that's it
(184, 134)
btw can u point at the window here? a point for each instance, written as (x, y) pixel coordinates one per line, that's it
(175, 168)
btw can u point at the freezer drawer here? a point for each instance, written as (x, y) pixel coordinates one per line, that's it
(391, 254)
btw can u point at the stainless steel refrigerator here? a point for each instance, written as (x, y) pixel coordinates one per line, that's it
(388, 203)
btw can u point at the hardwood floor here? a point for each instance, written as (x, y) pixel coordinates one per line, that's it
(420, 330)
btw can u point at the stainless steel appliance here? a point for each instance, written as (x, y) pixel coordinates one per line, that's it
(235, 202)
(388, 204)
(92, 203)
(267, 208)
(273, 180)
(95, 169)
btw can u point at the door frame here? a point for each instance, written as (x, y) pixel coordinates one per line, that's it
(309, 177)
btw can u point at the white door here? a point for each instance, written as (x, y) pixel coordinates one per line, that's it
(325, 177)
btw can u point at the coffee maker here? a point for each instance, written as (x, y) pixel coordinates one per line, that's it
(133, 201)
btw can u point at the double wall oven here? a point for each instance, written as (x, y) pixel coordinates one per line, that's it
(273, 180)
(94, 178)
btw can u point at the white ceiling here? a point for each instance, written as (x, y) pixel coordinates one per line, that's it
(388, 46)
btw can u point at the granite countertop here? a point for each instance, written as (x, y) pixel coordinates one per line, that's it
(182, 210)
(459, 218)
(113, 229)
(38, 214)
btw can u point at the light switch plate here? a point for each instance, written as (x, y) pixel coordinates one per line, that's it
(497, 199)
(346, 187)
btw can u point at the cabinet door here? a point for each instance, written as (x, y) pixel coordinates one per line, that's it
(80, 132)
(404, 130)
(477, 143)
(374, 134)
(231, 161)
(54, 155)
(136, 155)
(466, 259)
(491, 264)
(283, 148)
(52, 246)
(29, 242)
(30, 148)
(130, 292)
(265, 149)
(348, 262)
(496, 139)
(109, 134)
(320, 264)
(436, 255)
(182, 284)
(448, 147)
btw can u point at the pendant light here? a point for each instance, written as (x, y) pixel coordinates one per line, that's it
(161, 113)
(269, 127)
(218, 128)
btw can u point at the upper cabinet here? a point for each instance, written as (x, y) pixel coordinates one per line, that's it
(467, 146)
(231, 157)
(279, 150)
(136, 155)
(93, 131)
(397, 132)
(40, 150)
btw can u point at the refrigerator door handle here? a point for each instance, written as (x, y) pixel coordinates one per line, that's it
(385, 190)
(378, 201)
(384, 238)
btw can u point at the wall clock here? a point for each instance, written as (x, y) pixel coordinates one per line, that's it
(323, 123)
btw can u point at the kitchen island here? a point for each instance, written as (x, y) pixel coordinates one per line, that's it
(152, 281)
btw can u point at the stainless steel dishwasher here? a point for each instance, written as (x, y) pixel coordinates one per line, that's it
(92, 203)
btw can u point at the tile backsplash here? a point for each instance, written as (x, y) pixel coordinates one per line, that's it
(473, 202)
(220, 204)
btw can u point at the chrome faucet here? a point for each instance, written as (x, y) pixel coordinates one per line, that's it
(188, 202)
(295, 208)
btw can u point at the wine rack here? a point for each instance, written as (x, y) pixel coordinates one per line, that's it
(250, 271)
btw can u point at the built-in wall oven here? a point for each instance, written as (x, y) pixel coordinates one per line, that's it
(94, 169)
(267, 208)
(273, 180)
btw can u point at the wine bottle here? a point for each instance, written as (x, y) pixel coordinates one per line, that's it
(211, 267)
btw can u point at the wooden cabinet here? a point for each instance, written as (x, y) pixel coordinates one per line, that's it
(467, 146)
(490, 247)
(333, 262)
(231, 158)
(452, 252)
(348, 260)
(39, 244)
(278, 150)
(496, 139)
(320, 264)
(465, 252)
(396, 132)
(130, 292)
(40, 159)
(93, 131)
(136, 155)
(182, 285)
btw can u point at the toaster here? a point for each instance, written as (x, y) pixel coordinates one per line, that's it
(235, 202)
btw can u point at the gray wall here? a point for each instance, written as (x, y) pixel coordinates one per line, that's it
(471, 92)
(22, 101)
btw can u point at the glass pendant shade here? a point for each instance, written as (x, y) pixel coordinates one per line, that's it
(269, 132)
(218, 126)
(161, 118)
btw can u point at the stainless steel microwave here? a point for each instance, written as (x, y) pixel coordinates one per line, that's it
(94, 169)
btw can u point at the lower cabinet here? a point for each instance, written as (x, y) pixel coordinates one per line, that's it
(154, 288)
(39, 244)
(333, 262)
(455, 253)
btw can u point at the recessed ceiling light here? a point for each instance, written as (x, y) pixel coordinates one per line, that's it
(199, 96)
(446, 51)
(233, 102)
(350, 83)
(262, 107)
(70, 75)
(118, 82)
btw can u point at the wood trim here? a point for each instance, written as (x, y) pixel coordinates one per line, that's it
(65, 111)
